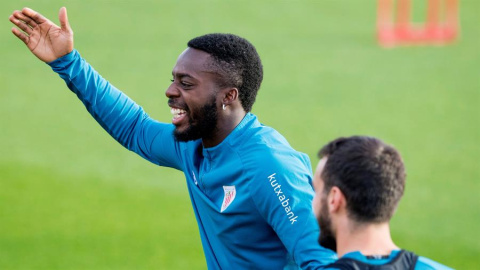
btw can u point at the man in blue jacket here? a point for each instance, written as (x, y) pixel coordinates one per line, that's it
(250, 191)
(358, 184)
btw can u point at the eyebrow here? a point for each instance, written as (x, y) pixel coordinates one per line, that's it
(186, 75)
(182, 75)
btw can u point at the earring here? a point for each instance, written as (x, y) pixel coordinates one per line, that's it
(223, 107)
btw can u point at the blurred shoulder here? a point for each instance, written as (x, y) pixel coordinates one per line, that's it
(424, 263)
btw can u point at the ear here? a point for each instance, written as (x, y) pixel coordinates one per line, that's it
(335, 200)
(230, 96)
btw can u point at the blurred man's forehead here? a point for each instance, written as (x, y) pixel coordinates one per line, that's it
(321, 165)
(318, 172)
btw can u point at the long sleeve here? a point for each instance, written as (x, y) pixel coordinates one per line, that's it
(283, 197)
(120, 116)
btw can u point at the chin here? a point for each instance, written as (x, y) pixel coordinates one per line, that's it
(328, 241)
(186, 135)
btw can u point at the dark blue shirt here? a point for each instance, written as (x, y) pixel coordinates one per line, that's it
(421, 264)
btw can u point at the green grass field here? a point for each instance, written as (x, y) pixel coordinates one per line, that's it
(73, 198)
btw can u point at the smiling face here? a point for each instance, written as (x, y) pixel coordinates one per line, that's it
(193, 96)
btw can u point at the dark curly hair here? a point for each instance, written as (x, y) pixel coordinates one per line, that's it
(237, 62)
(370, 173)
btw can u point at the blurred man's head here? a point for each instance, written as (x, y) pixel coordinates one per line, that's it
(358, 178)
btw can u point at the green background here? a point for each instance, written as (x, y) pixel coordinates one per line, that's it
(73, 198)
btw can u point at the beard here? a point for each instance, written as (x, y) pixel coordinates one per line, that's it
(203, 126)
(326, 238)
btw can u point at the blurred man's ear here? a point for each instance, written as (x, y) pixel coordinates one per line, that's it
(335, 200)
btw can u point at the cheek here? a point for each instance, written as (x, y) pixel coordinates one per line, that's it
(316, 205)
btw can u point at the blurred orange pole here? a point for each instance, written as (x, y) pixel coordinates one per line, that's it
(403, 18)
(451, 19)
(385, 13)
(433, 13)
(385, 33)
(394, 26)
(433, 30)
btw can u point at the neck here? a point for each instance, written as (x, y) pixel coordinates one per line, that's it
(227, 122)
(369, 239)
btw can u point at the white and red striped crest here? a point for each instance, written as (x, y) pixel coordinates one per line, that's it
(229, 196)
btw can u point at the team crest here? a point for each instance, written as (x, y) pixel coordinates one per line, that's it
(229, 196)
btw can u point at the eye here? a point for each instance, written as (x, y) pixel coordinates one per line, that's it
(185, 84)
(182, 83)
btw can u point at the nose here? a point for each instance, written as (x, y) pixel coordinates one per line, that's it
(172, 91)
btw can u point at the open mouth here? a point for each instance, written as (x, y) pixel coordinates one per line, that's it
(178, 115)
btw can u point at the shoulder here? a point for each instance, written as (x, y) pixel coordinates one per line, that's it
(251, 132)
(267, 159)
(263, 145)
(428, 264)
(258, 134)
(281, 162)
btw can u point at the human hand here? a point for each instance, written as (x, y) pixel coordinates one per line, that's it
(46, 40)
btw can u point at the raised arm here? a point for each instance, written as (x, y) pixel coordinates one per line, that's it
(120, 116)
(46, 40)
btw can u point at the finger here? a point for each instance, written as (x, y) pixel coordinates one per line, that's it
(20, 35)
(19, 15)
(22, 25)
(63, 18)
(35, 16)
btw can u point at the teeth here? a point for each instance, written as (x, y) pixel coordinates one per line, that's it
(176, 112)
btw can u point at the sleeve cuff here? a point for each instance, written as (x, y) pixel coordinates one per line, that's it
(64, 61)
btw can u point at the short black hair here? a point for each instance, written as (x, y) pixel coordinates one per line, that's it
(370, 174)
(237, 62)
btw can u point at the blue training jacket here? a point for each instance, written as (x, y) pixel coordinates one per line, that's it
(251, 194)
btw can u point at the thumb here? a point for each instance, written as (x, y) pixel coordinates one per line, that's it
(63, 18)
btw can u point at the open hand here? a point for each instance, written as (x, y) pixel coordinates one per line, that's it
(46, 40)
